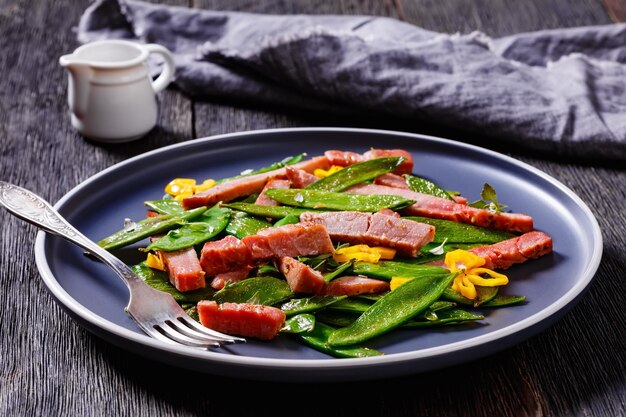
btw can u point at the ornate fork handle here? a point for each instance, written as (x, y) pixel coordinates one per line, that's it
(35, 210)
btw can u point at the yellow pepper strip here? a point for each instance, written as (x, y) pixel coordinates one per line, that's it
(468, 265)
(206, 184)
(155, 261)
(322, 173)
(397, 281)
(363, 253)
(179, 188)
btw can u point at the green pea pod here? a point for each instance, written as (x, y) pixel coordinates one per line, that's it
(502, 300)
(272, 212)
(441, 305)
(351, 305)
(160, 281)
(299, 324)
(344, 318)
(314, 199)
(357, 174)
(169, 206)
(389, 269)
(206, 226)
(455, 232)
(290, 160)
(336, 318)
(445, 317)
(289, 219)
(397, 306)
(309, 304)
(424, 186)
(483, 295)
(318, 340)
(148, 227)
(257, 290)
(243, 224)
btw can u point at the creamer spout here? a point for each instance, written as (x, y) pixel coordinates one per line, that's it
(80, 74)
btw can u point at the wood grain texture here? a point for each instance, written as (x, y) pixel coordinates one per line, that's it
(50, 366)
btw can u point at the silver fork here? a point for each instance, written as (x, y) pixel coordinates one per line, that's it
(156, 312)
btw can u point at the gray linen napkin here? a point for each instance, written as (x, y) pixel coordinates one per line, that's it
(560, 92)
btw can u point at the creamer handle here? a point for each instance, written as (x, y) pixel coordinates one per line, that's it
(167, 74)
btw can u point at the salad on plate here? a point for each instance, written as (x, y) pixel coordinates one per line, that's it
(335, 250)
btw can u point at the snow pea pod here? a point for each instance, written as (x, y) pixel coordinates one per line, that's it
(257, 290)
(315, 199)
(389, 269)
(299, 324)
(351, 305)
(206, 226)
(483, 295)
(455, 232)
(243, 224)
(148, 227)
(290, 160)
(168, 206)
(424, 186)
(502, 300)
(309, 304)
(445, 317)
(272, 212)
(357, 174)
(289, 219)
(318, 340)
(393, 309)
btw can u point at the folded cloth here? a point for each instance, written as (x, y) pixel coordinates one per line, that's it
(561, 92)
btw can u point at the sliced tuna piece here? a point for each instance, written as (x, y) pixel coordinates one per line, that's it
(439, 208)
(247, 185)
(184, 269)
(241, 319)
(345, 158)
(220, 280)
(289, 240)
(460, 199)
(342, 226)
(503, 255)
(299, 178)
(378, 229)
(355, 285)
(302, 278)
(225, 255)
(389, 212)
(406, 236)
(405, 168)
(264, 200)
(391, 180)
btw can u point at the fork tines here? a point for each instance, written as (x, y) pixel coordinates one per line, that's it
(186, 331)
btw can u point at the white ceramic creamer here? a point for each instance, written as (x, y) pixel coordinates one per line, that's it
(110, 93)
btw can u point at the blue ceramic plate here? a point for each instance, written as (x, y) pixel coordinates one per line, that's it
(95, 297)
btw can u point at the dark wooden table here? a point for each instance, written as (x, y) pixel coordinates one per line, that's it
(50, 366)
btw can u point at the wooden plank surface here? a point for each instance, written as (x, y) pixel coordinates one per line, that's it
(50, 366)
